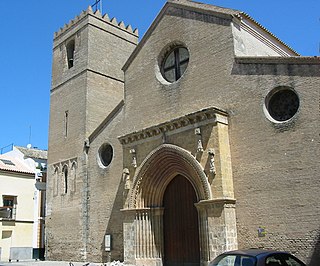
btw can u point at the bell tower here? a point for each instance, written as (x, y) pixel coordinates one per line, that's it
(87, 84)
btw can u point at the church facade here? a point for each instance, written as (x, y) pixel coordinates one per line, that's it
(202, 137)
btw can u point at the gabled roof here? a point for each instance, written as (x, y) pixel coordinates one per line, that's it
(33, 153)
(201, 8)
(11, 164)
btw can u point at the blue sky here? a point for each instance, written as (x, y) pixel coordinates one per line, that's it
(27, 28)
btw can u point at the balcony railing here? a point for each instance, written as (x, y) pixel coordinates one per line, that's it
(8, 213)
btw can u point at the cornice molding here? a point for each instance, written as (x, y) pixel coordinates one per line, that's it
(296, 60)
(205, 116)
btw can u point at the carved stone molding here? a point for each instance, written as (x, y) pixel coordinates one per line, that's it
(197, 132)
(205, 116)
(211, 154)
(134, 158)
(69, 163)
(126, 178)
(183, 158)
(216, 203)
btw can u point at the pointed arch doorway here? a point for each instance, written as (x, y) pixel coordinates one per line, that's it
(166, 178)
(181, 229)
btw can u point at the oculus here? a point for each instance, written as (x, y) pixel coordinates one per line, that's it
(105, 154)
(282, 104)
(175, 64)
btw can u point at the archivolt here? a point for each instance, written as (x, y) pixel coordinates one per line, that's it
(159, 168)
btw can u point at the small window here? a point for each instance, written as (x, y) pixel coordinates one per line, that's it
(55, 181)
(73, 177)
(9, 203)
(105, 154)
(65, 178)
(175, 64)
(70, 53)
(66, 122)
(6, 234)
(7, 162)
(282, 104)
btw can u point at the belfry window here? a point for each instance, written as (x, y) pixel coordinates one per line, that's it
(175, 64)
(70, 53)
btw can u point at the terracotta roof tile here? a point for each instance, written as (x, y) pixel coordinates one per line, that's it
(14, 165)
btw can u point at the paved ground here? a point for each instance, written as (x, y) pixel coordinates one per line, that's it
(53, 263)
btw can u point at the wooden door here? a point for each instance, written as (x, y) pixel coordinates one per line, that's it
(181, 230)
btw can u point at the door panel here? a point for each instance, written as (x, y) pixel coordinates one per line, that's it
(181, 231)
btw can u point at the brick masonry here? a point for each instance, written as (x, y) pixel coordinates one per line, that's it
(266, 173)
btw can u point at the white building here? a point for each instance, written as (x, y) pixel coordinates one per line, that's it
(22, 188)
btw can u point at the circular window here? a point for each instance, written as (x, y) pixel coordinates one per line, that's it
(106, 154)
(282, 104)
(175, 64)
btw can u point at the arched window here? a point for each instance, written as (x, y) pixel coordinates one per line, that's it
(55, 181)
(105, 155)
(73, 176)
(65, 179)
(70, 53)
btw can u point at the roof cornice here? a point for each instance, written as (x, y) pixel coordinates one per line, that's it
(243, 15)
(226, 13)
(296, 60)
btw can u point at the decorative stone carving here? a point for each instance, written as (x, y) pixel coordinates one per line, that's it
(197, 132)
(126, 178)
(65, 175)
(212, 168)
(185, 158)
(87, 143)
(134, 158)
(164, 137)
(209, 115)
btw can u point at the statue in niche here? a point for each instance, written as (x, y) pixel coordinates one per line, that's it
(126, 178)
(134, 158)
(197, 132)
(212, 168)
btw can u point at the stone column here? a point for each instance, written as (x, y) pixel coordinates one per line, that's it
(218, 231)
(143, 240)
(129, 236)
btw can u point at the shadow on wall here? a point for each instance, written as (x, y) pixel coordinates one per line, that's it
(265, 68)
(115, 229)
(315, 258)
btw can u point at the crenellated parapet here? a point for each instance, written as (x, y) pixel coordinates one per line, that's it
(113, 21)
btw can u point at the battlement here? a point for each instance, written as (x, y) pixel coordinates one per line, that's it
(113, 21)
